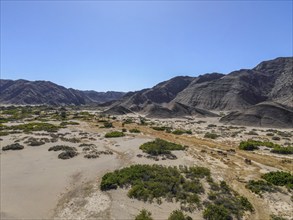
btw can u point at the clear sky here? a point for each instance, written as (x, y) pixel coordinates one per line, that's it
(131, 45)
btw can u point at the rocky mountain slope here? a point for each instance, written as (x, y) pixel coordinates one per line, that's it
(44, 92)
(269, 81)
(262, 115)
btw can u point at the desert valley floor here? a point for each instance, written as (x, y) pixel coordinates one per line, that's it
(36, 184)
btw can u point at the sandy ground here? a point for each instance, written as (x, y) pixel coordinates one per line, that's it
(35, 184)
(34, 179)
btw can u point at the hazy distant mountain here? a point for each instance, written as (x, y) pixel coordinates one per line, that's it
(269, 81)
(163, 92)
(45, 92)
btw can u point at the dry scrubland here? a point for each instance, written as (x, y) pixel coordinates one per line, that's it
(60, 163)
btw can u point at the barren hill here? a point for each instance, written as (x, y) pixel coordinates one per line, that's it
(45, 92)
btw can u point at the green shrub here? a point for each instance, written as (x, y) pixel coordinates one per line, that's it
(15, 146)
(279, 178)
(178, 215)
(4, 133)
(67, 154)
(134, 130)
(275, 138)
(260, 186)
(246, 205)
(65, 123)
(114, 134)
(282, 150)
(180, 132)
(108, 124)
(216, 212)
(128, 121)
(251, 145)
(159, 147)
(269, 134)
(211, 135)
(144, 215)
(61, 147)
(163, 128)
(151, 181)
(275, 217)
(34, 126)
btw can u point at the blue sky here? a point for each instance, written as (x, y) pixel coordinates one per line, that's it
(131, 45)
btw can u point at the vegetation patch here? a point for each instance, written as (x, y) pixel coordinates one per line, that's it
(179, 215)
(35, 126)
(62, 147)
(160, 147)
(211, 135)
(65, 123)
(163, 128)
(15, 146)
(72, 140)
(251, 145)
(282, 150)
(183, 184)
(180, 132)
(108, 124)
(150, 182)
(279, 178)
(114, 134)
(144, 215)
(134, 130)
(260, 186)
(67, 154)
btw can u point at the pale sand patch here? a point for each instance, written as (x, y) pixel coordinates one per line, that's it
(33, 178)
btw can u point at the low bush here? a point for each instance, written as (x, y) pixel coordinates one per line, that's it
(216, 212)
(159, 147)
(108, 124)
(134, 130)
(279, 178)
(180, 132)
(15, 146)
(67, 154)
(161, 128)
(144, 215)
(62, 147)
(211, 135)
(65, 123)
(179, 215)
(275, 217)
(114, 134)
(251, 145)
(275, 138)
(151, 181)
(282, 150)
(34, 126)
(260, 186)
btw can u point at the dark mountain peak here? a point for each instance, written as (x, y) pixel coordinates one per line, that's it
(208, 77)
(272, 65)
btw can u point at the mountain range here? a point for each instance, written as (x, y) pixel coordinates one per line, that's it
(24, 92)
(259, 96)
